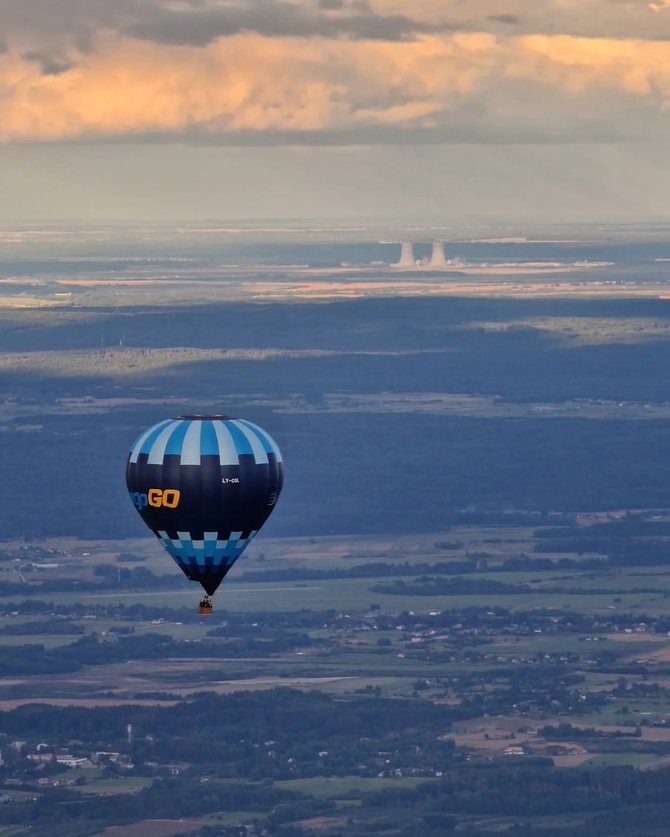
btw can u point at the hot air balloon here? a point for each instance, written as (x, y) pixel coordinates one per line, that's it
(204, 485)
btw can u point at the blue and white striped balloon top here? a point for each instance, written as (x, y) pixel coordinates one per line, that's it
(191, 437)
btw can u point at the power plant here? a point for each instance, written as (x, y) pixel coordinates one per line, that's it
(407, 261)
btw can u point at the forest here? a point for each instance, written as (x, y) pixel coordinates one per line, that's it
(584, 413)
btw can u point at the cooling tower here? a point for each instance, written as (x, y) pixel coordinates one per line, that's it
(406, 255)
(437, 258)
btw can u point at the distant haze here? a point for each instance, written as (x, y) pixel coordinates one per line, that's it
(439, 111)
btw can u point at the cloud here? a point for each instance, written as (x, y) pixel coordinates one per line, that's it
(609, 19)
(36, 24)
(279, 20)
(50, 65)
(39, 24)
(52, 25)
(509, 20)
(577, 64)
(246, 82)
(329, 83)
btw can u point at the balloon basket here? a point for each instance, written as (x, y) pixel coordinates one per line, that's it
(205, 607)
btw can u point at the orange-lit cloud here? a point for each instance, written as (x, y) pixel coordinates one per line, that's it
(580, 64)
(246, 82)
(123, 85)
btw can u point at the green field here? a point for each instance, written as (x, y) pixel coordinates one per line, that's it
(122, 784)
(614, 759)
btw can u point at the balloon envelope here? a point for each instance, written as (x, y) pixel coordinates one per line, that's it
(204, 485)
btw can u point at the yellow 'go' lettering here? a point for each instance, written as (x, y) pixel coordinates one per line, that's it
(169, 498)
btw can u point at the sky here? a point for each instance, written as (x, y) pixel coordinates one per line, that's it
(430, 111)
